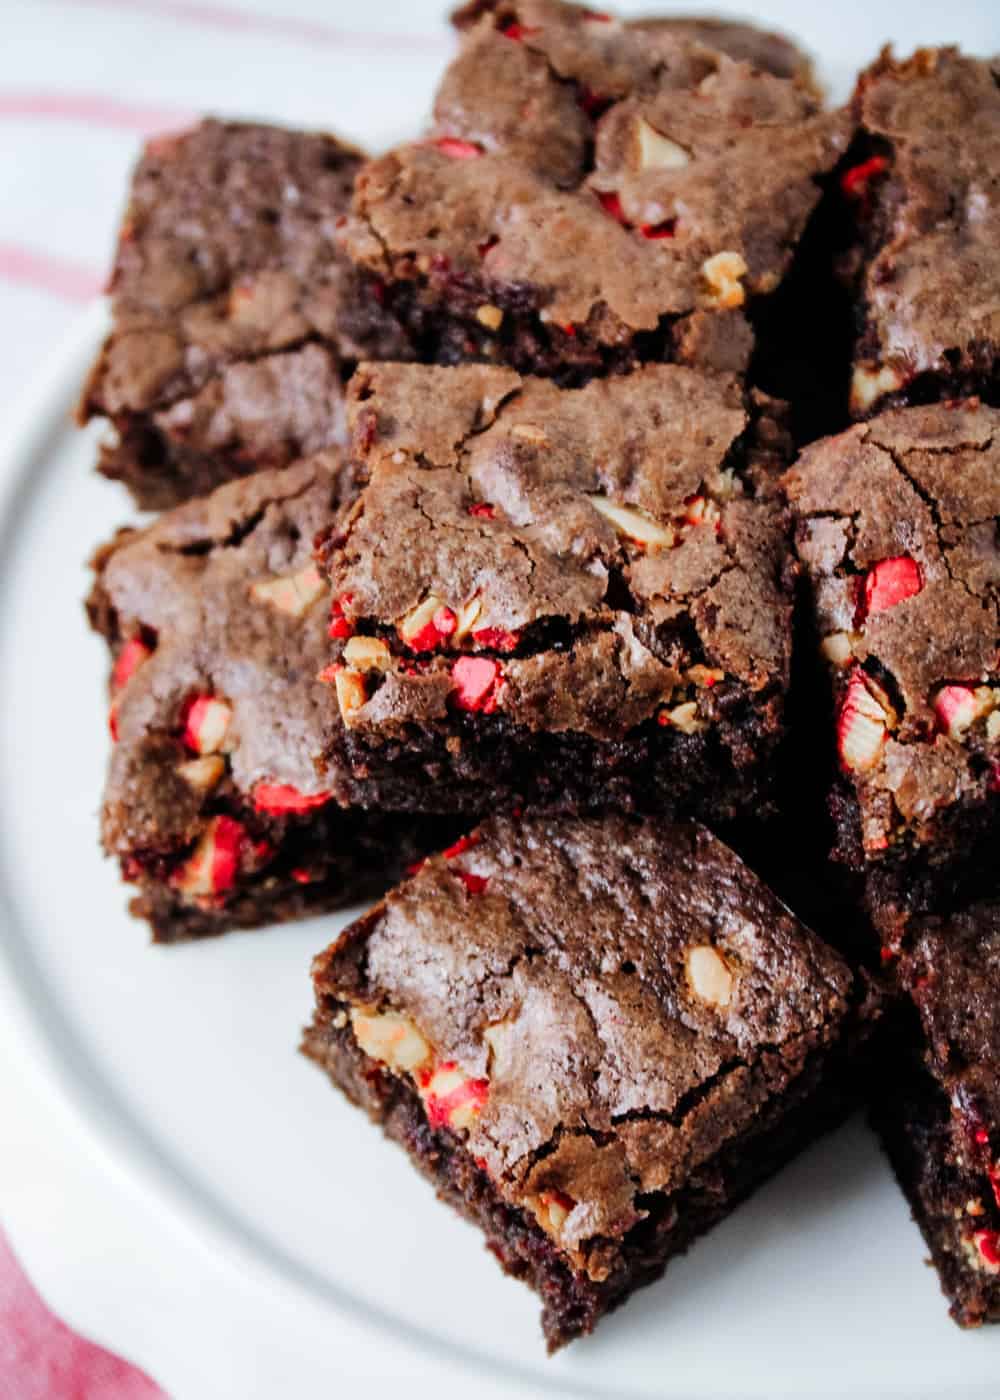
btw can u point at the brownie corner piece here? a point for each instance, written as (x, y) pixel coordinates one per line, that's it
(595, 193)
(572, 596)
(217, 804)
(896, 530)
(234, 315)
(926, 260)
(594, 1035)
(937, 1109)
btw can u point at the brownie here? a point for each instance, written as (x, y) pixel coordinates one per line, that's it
(593, 195)
(218, 804)
(575, 597)
(594, 1035)
(921, 180)
(763, 48)
(234, 316)
(939, 1112)
(897, 529)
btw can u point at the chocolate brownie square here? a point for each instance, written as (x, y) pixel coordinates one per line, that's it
(593, 194)
(921, 180)
(218, 804)
(595, 1036)
(569, 596)
(897, 530)
(939, 1110)
(235, 318)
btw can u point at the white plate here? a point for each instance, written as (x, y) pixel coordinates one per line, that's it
(182, 1061)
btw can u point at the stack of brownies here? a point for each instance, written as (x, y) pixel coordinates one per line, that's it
(487, 537)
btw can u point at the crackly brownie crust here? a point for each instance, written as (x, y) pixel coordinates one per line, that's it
(926, 266)
(218, 804)
(592, 194)
(578, 597)
(763, 48)
(939, 1110)
(588, 1033)
(234, 315)
(897, 527)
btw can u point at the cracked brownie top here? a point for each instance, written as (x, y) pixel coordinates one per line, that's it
(897, 527)
(596, 1006)
(219, 621)
(928, 199)
(226, 255)
(598, 177)
(579, 560)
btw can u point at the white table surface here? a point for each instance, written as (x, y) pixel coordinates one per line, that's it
(81, 82)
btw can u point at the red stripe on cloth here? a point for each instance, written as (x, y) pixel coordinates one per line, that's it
(63, 278)
(92, 109)
(281, 26)
(42, 1359)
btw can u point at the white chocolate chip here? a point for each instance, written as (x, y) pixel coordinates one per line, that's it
(530, 433)
(685, 718)
(550, 1210)
(202, 773)
(722, 273)
(836, 648)
(489, 316)
(367, 653)
(467, 617)
(420, 617)
(634, 524)
(709, 975)
(993, 726)
(656, 151)
(704, 677)
(390, 1037)
(351, 694)
(867, 385)
(293, 593)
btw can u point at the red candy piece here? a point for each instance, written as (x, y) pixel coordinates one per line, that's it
(988, 1244)
(475, 884)
(458, 150)
(282, 799)
(302, 876)
(206, 719)
(861, 729)
(664, 230)
(993, 1172)
(482, 510)
(496, 638)
(440, 1107)
(464, 843)
(444, 622)
(128, 661)
(214, 864)
(955, 707)
(340, 626)
(475, 680)
(854, 182)
(518, 32)
(611, 204)
(888, 583)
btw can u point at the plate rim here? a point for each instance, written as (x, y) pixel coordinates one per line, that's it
(55, 1049)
